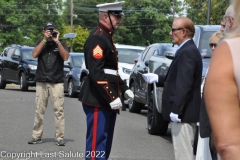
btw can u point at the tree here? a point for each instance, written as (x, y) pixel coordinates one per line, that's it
(85, 13)
(21, 21)
(79, 40)
(145, 21)
(197, 11)
(148, 21)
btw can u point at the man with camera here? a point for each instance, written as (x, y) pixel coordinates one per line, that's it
(51, 54)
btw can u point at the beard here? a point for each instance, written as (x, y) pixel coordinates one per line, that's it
(50, 41)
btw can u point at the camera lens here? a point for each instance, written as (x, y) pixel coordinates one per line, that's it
(54, 34)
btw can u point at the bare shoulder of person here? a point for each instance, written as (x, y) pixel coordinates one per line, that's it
(221, 57)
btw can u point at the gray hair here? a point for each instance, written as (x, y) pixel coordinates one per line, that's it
(230, 11)
(233, 10)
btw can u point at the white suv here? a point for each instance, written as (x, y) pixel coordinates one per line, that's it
(126, 60)
(127, 55)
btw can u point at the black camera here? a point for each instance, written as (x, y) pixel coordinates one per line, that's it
(53, 33)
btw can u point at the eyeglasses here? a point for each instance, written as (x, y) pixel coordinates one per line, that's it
(212, 45)
(175, 29)
(225, 18)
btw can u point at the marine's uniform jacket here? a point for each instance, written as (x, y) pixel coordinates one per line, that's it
(182, 85)
(100, 53)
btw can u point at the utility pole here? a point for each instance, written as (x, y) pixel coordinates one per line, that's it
(173, 9)
(71, 25)
(208, 12)
(71, 35)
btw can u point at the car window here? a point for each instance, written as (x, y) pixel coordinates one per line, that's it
(5, 52)
(144, 53)
(204, 44)
(16, 53)
(149, 54)
(10, 52)
(27, 54)
(77, 61)
(159, 50)
(127, 55)
(156, 53)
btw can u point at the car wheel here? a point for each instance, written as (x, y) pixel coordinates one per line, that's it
(23, 82)
(70, 89)
(2, 83)
(156, 124)
(134, 106)
(83, 80)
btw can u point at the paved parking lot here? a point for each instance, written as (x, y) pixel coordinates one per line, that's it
(131, 140)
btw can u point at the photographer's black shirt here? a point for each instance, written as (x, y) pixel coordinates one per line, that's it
(50, 63)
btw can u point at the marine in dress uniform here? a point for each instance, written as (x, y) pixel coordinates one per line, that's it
(100, 93)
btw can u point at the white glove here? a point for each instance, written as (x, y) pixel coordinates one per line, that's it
(174, 117)
(128, 101)
(150, 77)
(129, 94)
(116, 104)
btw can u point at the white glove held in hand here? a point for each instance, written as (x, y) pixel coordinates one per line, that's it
(129, 94)
(150, 77)
(116, 104)
(174, 117)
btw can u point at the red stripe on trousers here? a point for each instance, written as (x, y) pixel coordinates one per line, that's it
(95, 125)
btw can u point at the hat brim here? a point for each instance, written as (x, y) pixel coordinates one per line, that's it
(49, 28)
(116, 13)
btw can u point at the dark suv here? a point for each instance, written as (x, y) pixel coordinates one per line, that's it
(17, 66)
(72, 70)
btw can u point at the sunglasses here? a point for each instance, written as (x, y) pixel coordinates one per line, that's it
(212, 45)
(175, 29)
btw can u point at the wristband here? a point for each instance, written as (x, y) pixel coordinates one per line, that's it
(44, 41)
(59, 43)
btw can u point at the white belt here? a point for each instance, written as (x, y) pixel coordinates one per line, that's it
(110, 71)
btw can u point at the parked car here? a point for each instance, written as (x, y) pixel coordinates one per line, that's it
(159, 62)
(137, 83)
(127, 54)
(17, 66)
(72, 69)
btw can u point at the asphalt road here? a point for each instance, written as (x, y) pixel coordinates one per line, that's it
(131, 140)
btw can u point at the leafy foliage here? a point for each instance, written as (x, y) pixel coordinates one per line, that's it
(21, 22)
(197, 11)
(79, 40)
(145, 21)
